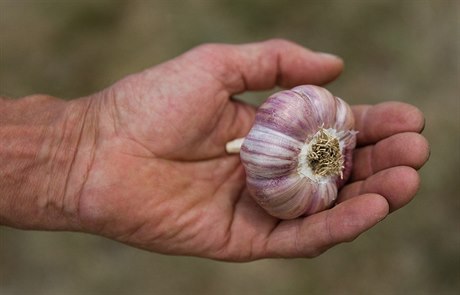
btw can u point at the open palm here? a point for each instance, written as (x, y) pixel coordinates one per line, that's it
(160, 178)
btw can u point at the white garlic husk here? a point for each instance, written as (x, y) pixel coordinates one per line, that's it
(299, 151)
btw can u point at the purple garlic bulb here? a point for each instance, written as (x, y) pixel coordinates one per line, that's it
(299, 151)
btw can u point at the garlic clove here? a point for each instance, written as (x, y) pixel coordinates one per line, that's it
(344, 116)
(321, 101)
(287, 113)
(271, 153)
(234, 146)
(294, 196)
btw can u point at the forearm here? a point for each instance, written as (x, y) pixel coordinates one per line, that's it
(41, 168)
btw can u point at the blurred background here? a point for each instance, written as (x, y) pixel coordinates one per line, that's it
(405, 50)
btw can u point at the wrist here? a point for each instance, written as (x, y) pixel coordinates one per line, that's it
(45, 153)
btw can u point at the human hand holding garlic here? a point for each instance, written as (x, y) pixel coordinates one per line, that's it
(150, 167)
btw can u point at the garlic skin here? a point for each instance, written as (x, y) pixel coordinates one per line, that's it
(299, 151)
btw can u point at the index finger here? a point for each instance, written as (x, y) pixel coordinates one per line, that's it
(376, 122)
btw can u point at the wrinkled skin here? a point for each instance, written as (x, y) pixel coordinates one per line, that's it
(159, 177)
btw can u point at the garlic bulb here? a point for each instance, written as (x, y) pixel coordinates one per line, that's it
(299, 151)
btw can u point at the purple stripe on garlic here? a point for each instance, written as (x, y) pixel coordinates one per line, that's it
(298, 152)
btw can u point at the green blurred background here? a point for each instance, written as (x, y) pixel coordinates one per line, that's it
(394, 50)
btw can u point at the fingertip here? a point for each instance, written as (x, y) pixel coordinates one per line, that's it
(361, 213)
(377, 206)
(421, 151)
(349, 219)
(330, 67)
(414, 117)
(385, 119)
(330, 57)
(413, 182)
(399, 186)
(403, 149)
(335, 62)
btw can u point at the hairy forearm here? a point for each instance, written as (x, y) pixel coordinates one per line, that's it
(41, 167)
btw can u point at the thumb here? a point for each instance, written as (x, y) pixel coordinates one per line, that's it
(263, 65)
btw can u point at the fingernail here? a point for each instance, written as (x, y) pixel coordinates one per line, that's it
(329, 55)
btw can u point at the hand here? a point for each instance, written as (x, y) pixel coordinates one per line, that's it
(160, 179)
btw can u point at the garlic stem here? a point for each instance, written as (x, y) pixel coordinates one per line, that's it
(234, 146)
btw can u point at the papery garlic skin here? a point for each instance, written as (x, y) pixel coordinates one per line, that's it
(274, 153)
